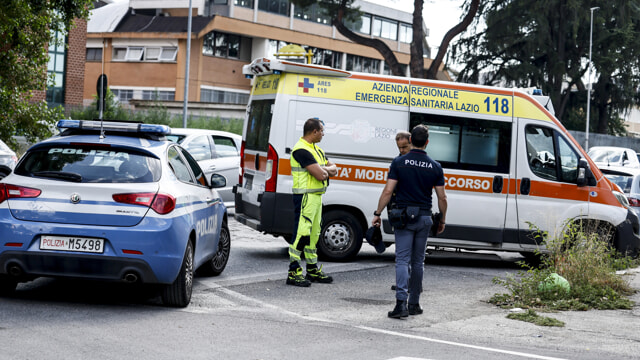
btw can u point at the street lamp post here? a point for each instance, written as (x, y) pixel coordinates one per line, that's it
(186, 71)
(586, 142)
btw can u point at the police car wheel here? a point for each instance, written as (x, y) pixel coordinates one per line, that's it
(217, 264)
(7, 285)
(340, 236)
(178, 294)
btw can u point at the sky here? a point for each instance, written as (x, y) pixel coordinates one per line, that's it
(439, 16)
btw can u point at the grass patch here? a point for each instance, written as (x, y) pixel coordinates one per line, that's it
(532, 317)
(584, 258)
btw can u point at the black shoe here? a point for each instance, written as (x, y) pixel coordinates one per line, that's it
(415, 309)
(317, 275)
(400, 311)
(295, 278)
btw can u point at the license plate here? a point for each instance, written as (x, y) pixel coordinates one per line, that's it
(70, 243)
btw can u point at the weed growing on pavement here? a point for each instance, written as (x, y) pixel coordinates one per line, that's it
(583, 257)
(532, 317)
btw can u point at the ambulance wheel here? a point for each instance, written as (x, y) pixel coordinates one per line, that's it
(340, 236)
(178, 294)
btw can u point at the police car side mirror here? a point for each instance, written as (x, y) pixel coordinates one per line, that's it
(218, 181)
(585, 175)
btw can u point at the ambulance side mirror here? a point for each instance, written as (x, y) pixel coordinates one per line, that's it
(585, 176)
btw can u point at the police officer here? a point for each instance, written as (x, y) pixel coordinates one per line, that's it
(413, 177)
(311, 171)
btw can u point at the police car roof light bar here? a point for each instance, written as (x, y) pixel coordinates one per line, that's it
(114, 126)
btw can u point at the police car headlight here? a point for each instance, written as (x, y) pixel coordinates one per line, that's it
(622, 199)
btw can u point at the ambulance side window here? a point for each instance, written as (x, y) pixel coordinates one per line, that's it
(466, 143)
(545, 148)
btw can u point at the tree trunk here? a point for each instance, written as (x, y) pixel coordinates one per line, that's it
(417, 49)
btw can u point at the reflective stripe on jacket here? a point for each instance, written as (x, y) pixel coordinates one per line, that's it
(303, 181)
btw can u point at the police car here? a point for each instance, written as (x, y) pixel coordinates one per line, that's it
(112, 201)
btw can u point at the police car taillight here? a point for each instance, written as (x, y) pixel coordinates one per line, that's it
(160, 203)
(8, 191)
(271, 172)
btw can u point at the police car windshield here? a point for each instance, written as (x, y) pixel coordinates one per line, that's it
(89, 164)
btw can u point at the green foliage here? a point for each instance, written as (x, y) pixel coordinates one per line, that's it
(545, 44)
(25, 29)
(583, 256)
(157, 114)
(532, 317)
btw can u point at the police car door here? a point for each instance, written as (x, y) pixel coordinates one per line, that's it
(546, 192)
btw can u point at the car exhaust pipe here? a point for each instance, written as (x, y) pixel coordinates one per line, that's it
(130, 277)
(15, 270)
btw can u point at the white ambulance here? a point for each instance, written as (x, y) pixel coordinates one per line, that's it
(508, 161)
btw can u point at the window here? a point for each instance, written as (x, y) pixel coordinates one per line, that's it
(94, 54)
(312, 13)
(223, 97)
(225, 147)
(467, 144)
(134, 54)
(259, 125)
(406, 33)
(56, 68)
(550, 156)
(140, 53)
(363, 64)
(160, 95)
(178, 166)
(386, 70)
(362, 25)
(326, 57)
(384, 28)
(195, 168)
(199, 148)
(123, 95)
(222, 45)
(244, 3)
(275, 6)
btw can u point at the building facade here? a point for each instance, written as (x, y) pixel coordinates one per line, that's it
(141, 46)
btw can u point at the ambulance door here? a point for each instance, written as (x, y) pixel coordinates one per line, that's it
(475, 153)
(547, 193)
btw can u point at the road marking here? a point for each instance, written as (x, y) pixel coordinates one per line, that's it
(248, 299)
(416, 337)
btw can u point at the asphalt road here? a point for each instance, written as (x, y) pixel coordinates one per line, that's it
(249, 313)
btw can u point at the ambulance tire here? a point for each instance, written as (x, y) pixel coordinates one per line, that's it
(340, 236)
(178, 294)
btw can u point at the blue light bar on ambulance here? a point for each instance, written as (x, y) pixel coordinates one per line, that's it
(114, 126)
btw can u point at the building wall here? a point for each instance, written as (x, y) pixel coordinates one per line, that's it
(75, 66)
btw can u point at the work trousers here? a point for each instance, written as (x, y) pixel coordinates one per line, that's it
(411, 248)
(308, 231)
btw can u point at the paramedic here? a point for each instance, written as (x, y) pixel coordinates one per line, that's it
(311, 171)
(413, 176)
(403, 142)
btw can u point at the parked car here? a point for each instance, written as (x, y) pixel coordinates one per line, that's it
(628, 179)
(8, 158)
(605, 156)
(130, 206)
(217, 152)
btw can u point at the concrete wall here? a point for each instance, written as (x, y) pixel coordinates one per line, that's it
(606, 140)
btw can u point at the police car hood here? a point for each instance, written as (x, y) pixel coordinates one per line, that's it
(79, 203)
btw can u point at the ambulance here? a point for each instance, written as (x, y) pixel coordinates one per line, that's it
(511, 169)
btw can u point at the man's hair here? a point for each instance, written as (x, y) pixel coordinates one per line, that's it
(419, 135)
(311, 124)
(403, 135)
